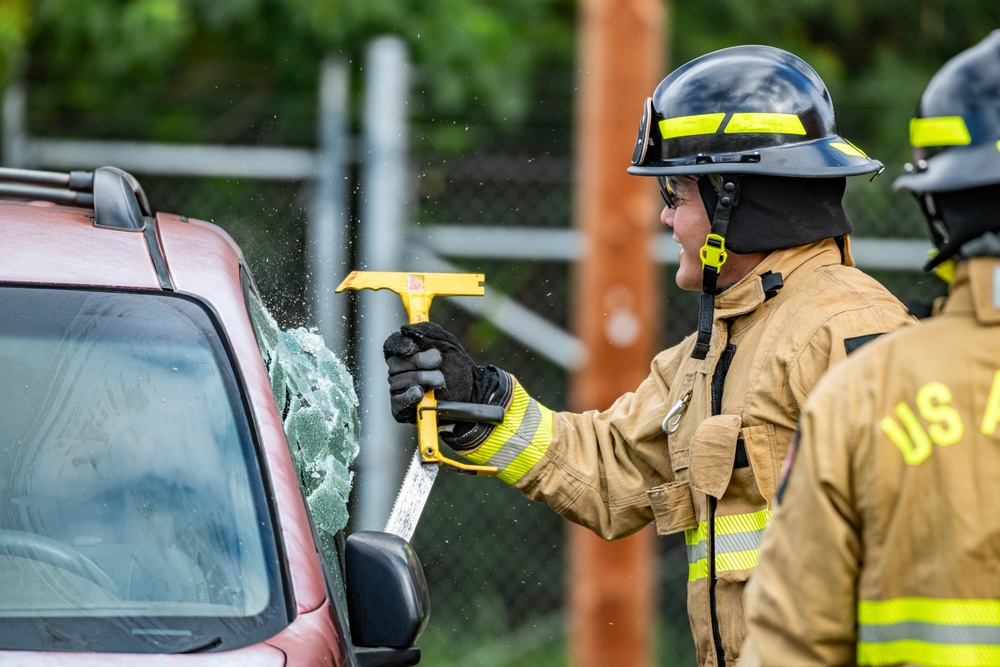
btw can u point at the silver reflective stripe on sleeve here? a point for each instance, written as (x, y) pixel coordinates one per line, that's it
(737, 540)
(929, 631)
(520, 441)
(737, 543)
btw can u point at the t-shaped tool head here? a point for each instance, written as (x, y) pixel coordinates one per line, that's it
(417, 289)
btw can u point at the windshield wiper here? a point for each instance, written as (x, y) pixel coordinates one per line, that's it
(205, 646)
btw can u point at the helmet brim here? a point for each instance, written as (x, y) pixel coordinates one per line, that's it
(955, 168)
(813, 159)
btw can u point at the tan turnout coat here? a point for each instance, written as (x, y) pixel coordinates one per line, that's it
(714, 479)
(886, 546)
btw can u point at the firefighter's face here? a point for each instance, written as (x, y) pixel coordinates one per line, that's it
(685, 214)
(690, 224)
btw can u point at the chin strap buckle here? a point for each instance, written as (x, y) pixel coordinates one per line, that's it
(713, 253)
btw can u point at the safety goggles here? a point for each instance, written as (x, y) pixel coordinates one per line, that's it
(673, 188)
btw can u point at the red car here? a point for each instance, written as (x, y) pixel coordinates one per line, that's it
(150, 509)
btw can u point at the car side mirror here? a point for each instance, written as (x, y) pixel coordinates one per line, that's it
(387, 599)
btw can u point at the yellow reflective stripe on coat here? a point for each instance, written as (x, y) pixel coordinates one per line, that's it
(696, 540)
(939, 131)
(520, 441)
(737, 543)
(929, 631)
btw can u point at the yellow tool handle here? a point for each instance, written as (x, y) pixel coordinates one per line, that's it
(417, 291)
(427, 439)
(427, 429)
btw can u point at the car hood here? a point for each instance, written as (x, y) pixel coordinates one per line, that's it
(261, 655)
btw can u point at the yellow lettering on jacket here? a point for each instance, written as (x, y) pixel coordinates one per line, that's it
(944, 428)
(916, 446)
(991, 417)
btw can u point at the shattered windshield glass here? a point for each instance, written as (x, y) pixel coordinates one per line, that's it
(319, 409)
(133, 515)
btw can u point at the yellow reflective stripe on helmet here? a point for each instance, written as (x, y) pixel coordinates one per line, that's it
(520, 441)
(739, 123)
(929, 631)
(737, 543)
(847, 148)
(771, 123)
(686, 126)
(939, 131)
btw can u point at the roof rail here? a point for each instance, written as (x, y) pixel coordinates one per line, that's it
(75, 188)
(115, 203)
(117, 199)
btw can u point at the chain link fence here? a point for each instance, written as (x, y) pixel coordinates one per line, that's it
(495, 562)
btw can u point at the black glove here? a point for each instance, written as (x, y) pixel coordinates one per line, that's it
(424, 356)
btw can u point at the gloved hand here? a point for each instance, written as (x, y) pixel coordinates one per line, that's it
(425, 356)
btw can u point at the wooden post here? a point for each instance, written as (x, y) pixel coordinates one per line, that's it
(612, 588)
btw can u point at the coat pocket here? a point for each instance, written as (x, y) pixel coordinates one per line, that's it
(673, 508)
(762, 451)
(713, 451)
(734, 576)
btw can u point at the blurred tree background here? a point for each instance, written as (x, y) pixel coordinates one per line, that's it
(492, 113)
(246, 70)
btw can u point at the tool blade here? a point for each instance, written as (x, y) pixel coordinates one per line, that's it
(412, 497)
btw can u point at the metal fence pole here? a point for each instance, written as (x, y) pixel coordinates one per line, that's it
(385, 186)
(327, 233)
(14, 129)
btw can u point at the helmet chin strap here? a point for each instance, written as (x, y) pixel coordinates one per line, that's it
(942, 266)
(713, 256)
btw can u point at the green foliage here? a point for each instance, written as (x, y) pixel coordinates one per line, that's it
(157, 69)
(875, 56)
(15, 23)
(245, 70)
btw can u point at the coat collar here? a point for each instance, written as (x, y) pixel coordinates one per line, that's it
(794, 265)
(976, 289)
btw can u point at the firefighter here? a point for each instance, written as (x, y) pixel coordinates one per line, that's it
(886, 545)
(743, 144)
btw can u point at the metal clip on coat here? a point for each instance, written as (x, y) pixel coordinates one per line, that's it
(417, 291)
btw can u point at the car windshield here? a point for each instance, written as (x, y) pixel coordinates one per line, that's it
(132, 509)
